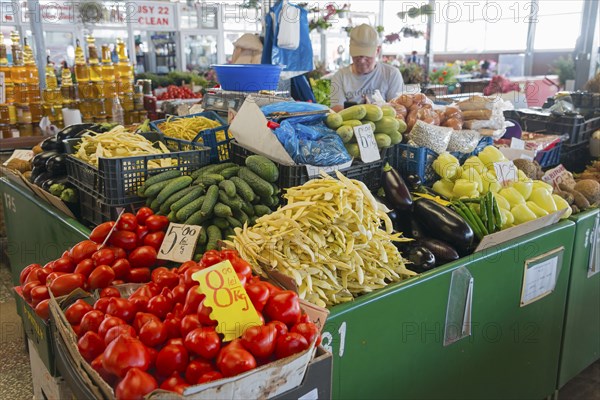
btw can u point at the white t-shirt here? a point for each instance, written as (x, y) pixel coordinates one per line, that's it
(346, 86)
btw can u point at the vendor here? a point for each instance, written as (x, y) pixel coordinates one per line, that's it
(247, 50)
(484, 70)
(360, 79)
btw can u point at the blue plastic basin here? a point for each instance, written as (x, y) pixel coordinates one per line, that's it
(248, 77)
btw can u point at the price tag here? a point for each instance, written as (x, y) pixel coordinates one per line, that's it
(231, 306)
(516, 143)
(179, 242)
(506, 172)
(367, 144)
(558, 175)
(315, 171)
(540, 276)
(24, 155)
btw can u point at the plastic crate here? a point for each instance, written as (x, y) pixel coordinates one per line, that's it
(409, 160)
(577, 127)
(95, 211)
(116, 180)
(219, 149)
(296, 175)
(575, 158)
(549, 158)
(586, 100)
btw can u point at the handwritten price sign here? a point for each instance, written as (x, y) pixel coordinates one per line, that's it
(179, 242)
(506, 172)
(231, 306)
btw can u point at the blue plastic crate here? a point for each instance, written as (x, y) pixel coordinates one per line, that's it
(219, 149)
(549, 158)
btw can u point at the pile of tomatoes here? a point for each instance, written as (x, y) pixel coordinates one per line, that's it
(162, 335)
(178, 92)
(128, 256)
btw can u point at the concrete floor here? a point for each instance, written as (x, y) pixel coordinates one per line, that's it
(15, 373)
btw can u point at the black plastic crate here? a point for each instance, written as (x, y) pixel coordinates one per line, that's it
(575, 158)
(94, 211)
(296, 175)
(116, 180)
(586, 100)
(577, 127)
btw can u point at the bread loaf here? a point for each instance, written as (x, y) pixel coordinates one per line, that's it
(477, 114)
(476, 103)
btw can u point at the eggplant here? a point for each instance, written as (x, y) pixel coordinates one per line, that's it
(421, 258)
(41, 178)
(416, 229)
(40, 159)
(57, 165)
(444, 224)
(49, 182)
(396, 191)
(414, 181)
(74, 131)
(53, 144)
(442, 251)
(36, 171)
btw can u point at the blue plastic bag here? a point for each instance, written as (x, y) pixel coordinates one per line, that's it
(294, 107)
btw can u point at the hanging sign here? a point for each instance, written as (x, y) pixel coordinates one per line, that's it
(155, 15)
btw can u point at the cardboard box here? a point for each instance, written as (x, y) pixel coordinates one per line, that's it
(45, 385)
(317, 381)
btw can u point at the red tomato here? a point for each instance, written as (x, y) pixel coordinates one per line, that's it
(76, 311)
(210, 259)
(141, 318)
(27, 289)
(124, 239)
(141, 232)
(118, 330)
(153, 353)
(101, 277)
(150, 289)
(143, 214)
(85, 267)
(166, 279)
(160, 305)
(102, 304)
(173, 326)
(121, 268)
(171, 358)
(125, 353)
(91, 321)
(283, 306)
(209, 377)
(118, 282)
(66, 283)
(42, 309)
(242, 267)
(50, 278)
(103, 257)
(235, 361)
(97, 365)
(304, 318)
(188, 324)
(309, 331)
(121, 308)
(188, 281)
(135, 385)
(176, 341)
(196, 368)
(154, 239)
(174, 383)
(140, 302)
(260, 340)
(138, 275)
(157, 271)
(119, 252)
(110, 292)
(204, 315)
(38, 294)
(25, 272)
(64, 264)
(90, 346)
(229, 254)
(259, 294)
(289, 344)
(101, 232)
(127, 222)
(179, 294)
(107, 323)
(83, 250)
(157, 223)
(153, 333)
(32, 276)
(204, 342)
(193, 299)
(143, 257)
(186, 265)
(280, 327)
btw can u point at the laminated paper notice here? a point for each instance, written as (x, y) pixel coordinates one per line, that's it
(541, 273)
(460, 304)
(594, 243)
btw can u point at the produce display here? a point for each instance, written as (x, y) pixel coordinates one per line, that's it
(416, 107)
(188, 128)
(328, 239)
(127, 257)
(162, 336)
(172, 92)
(219, 197)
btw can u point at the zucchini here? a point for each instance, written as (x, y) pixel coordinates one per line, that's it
(154, 190)
(258, 185)
(166, 206)
(374, 112)
(333, 120)
(186, 211)
(355, 112)
(212, 196)
(243, 189)
(261, 209)
(214, 235)
(191, 196)
(222, 223)
(228, 187)
(346, 133)
(222, 210)
(163, 176)
(263, 167)
(387, 125)
(195, 219)
(176, 185)
(352, 123)
(230, 172)
(383, 140)
(234, 202)
(388, 111)
(209, 179)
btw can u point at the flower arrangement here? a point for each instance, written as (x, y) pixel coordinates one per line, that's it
(443, 76)
(468, 66)
(412, 73)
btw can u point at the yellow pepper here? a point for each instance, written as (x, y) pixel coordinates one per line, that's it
(446, 166)
(544, 185)
(491, 155)
(490, 182)
(507, 218)
(524, 187)
(475, 162)
(522, 214)
(464, 188)
(543, 198)
(471, 174)
(513, 196)
(561, 204)
(444, 187)
(537, 210)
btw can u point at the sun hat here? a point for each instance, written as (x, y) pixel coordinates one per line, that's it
(363, 41)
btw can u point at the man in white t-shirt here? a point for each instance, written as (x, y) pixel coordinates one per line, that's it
(359, 80)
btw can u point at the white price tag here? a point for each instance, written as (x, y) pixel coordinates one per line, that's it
(24, 155)
(516, 143)
(315, 171)
(179, 242)
(540, 276)
(506, 172)
(367, 144)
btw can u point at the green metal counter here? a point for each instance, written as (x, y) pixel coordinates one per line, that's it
(37, 233)
(581, 337)
(390, 344)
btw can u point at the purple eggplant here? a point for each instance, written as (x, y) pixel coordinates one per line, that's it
(442, 251)
(396, 191)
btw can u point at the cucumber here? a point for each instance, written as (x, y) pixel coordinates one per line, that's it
(243, 189)
(258, 185)
(248, 209)
(166, 206)
(214, 235)
(172, 216)
(195, 219)
(191, 196)
(227, 233)
(383, 140)
(155, 205)
(149, 201)
(276, 189)
(212, 196)
(263, 167)
(230, 172)
(228, 187)
(186, 211)
(198, 256)
(209, 179)
(207, 169)
(222, 210)
(261, 209)
(241, 216)
(154, 190)
(202, 237)
(176, 185)
(270, 201)
(234, 222)
(222, 223)
(354, 112)
(235, 203)
(333, 121)
(163, 176)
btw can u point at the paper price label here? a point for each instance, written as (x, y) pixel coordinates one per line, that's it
(315, 171)
(558, 175)
(506, 172)
(540, 276)
(231, 306)
(518, 144)
(367, 144)
(25, 155)
(179, 242)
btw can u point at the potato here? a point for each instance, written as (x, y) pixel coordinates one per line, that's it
(590, 189)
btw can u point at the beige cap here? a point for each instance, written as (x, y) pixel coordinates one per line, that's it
(363, 41)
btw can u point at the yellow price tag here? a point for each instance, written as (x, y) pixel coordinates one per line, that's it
(231, 306)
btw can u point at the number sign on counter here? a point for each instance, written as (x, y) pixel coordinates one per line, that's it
(367, 144)
(179, 242)
(541, 273)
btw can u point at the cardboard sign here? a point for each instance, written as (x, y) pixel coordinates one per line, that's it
(506, 172)
(367, 144)
(558, 175)
(231, 306)
(25, 155)
(315, 171)
(540, 276)
(179, 242)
